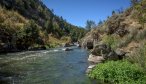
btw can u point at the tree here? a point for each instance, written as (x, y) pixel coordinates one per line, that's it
(100, 23)
(113, 12)
(90, 24)
(134, 2)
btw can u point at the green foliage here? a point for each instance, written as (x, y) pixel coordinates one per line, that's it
(128, 38)
(111, 40)
(141, 11)
(29, 35)
(119, 72)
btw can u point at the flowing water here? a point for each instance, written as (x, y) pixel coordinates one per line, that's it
(53, 66)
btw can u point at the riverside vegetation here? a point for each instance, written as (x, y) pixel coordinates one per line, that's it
(121, 42)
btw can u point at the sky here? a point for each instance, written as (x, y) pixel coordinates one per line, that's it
(77, 12)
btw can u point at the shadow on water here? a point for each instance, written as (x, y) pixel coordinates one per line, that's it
(54, 66)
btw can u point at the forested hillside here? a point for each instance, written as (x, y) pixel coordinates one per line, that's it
(27, 23)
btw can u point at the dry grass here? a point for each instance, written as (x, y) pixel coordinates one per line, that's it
(111, 40)
(139, 55)
(55, 41)
(11, 19)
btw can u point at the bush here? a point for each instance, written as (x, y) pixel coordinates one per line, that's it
(139, 56)
(141, 35)
(111, 40)
(122, 72)
(128, 39)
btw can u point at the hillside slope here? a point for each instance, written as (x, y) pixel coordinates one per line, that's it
(124, 31)
(118, 45)
(28, 23)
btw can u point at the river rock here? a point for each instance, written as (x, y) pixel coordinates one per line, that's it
(111, 56)
(67, 49)
(121, 54)
(95, 59)
(90, 68)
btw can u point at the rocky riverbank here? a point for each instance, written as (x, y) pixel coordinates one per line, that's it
(102, 53)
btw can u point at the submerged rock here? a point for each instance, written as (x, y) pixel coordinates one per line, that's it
(67, 49)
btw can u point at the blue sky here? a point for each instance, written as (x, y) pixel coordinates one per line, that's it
(77, 12)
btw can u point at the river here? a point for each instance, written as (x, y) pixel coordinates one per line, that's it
(53, 66)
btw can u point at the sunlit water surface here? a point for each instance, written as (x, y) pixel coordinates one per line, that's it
(54, 66)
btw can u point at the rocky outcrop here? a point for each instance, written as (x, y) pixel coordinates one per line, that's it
(116, 25)
(107, 53)
(90, 40)
(89, 45)
(100, 48)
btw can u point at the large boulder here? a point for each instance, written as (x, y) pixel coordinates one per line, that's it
(121, 54)
(107, 53)
(111, 56)
(100, 49)
(95, 59)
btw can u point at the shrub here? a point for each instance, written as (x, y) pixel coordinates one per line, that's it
(139, 56)
(122, 72)
(128, 39)
(66, 39)
(111, 40)
(141, 35)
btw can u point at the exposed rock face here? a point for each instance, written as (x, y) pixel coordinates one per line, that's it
(107, 53)
(111, 56)
(87, 39)
(100, 49)
(121, 54)
(90, 40)
(89, 45)
(116, 25)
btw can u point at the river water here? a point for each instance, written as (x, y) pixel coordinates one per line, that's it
(53, 66)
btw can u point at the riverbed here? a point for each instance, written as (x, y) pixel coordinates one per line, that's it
(54, 66)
